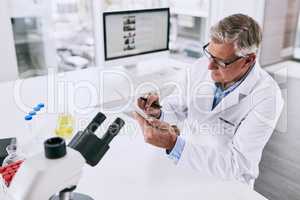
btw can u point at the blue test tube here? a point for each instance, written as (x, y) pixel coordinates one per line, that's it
(41, 105)
(28, 119)
(36, 108)
(32, 113)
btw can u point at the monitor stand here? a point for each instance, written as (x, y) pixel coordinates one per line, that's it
(134, 70)
(145, 68)
(130, 67)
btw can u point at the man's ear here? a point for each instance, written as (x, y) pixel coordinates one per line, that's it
(250, 58)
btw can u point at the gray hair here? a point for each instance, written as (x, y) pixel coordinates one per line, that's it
(239, 29)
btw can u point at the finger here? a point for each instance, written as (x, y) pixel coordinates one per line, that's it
(141, 104)
(150, 100)
(153, 112)
(142, 122)
(147, 130)
(154, 122)
(159, 124)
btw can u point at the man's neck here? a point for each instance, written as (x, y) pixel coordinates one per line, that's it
(224, 86)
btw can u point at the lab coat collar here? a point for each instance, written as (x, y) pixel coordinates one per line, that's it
(242, 91)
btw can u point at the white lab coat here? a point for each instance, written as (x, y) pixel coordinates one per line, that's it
(228, 141)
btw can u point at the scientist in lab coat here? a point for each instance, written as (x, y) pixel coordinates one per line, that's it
(221, 120)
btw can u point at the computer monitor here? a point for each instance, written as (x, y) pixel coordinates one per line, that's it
(134, 35)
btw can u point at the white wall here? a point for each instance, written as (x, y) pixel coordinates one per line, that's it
(98, 9)
(273, 34)
(223, 8)
(8, 63)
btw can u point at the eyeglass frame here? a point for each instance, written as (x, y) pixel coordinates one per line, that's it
(218, 61)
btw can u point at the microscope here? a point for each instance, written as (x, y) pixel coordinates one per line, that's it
(57, 170)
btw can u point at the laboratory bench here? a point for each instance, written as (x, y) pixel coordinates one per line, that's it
(131, 169)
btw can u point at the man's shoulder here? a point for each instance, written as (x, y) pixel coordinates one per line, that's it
(266, 88)
(265, 79)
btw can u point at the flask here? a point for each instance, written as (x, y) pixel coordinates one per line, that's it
(14, 154)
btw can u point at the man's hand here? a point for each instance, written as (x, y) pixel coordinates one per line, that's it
(146, 105)
(157, 133)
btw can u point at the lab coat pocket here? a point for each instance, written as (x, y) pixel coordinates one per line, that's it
(227, 127)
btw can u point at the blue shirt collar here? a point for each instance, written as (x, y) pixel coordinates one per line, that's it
(234, 85)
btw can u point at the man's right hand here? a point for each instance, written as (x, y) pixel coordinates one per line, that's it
(146, 105)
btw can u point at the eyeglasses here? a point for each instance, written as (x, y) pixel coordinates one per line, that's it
(218, 61)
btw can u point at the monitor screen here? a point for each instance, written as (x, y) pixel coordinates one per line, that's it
(135, 32)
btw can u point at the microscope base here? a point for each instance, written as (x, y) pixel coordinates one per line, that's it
(74, 196)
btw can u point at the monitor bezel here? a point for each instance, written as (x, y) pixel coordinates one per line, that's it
(131, 12)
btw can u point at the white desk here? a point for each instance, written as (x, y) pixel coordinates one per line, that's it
(131, 169)
(134, 170)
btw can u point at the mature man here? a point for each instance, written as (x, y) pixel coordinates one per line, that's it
(228, 112)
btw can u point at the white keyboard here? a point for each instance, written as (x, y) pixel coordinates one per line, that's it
(167, 73)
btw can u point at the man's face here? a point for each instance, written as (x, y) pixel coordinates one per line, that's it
(225, 52)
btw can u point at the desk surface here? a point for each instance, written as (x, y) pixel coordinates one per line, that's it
(131, 169)
(135, 170)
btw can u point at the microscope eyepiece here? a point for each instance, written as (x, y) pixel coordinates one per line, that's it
(90, 129)
(95, 123)
(55, 148)
(113, 130)
(89, 145)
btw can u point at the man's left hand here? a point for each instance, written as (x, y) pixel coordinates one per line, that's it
(157, 133)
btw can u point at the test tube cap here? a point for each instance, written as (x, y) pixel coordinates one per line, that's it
(28, 117)
(36, 108)
(32, 113)
(41, 105)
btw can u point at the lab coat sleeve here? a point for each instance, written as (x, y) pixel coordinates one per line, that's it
(174, 109)
(174, 106)
(176, 152)
(238, 160)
